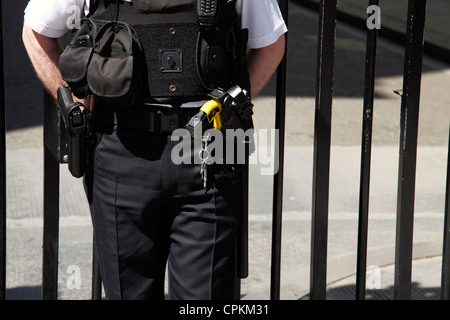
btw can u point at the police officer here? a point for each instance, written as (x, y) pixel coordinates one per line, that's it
(146, 210)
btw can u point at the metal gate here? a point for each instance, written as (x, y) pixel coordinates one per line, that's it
(328, 12)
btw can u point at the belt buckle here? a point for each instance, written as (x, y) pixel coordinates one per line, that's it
(169, 122)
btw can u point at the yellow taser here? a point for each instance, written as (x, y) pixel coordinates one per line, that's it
(212, 110)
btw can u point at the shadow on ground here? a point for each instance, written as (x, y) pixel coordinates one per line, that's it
(24, 293)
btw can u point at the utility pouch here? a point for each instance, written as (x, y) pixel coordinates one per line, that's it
(74, 61)
(215, 56)
(115, 71)
(222, 50)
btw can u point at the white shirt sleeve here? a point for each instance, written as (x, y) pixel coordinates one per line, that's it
(263, 20)
(52, 18)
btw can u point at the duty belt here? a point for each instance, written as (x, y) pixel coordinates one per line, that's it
(154, 121)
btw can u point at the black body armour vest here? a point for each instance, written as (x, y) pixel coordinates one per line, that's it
(185, 60)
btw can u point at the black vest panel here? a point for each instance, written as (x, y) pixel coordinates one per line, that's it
(184, 60)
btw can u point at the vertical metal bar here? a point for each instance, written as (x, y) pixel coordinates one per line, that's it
(51, 202)
(366, 151)
(96, 277)
(445, 277)
(243, 234)
(280, 125)
(408, 147)
(2, 169)
(322, 146)
(242, 240)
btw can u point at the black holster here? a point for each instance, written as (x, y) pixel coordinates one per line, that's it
(73, 133)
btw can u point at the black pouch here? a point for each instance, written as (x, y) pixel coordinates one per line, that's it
(75, 59)
(115, 71)
(216, 49)
(222, 51)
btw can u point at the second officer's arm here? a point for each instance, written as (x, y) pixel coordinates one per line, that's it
(263, 62)
(44, 54)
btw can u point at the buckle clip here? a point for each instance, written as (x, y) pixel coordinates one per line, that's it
(168, 122)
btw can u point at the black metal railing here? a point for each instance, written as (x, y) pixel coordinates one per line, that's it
(366, 152)
(409, 124)
(322, 145)
(2, 169)
(280, 125)
(328, 13)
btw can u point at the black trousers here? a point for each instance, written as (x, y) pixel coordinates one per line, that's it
(148, 212)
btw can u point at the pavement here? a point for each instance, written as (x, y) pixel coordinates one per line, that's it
(25, 174)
